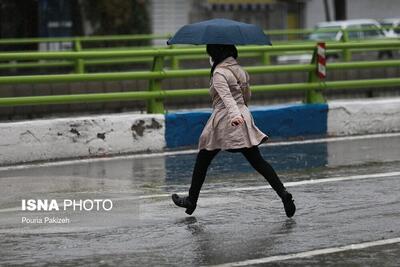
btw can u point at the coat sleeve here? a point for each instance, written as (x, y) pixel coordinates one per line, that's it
(220, 84)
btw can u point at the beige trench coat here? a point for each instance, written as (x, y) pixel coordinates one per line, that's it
(228, 103)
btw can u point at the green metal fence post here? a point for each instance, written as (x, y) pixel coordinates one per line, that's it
(314, 96)
(266, 59)
(156, 105)
(79, 63)
(174, 61)
(346, 52)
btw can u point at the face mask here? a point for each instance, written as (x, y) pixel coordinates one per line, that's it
(211, 61)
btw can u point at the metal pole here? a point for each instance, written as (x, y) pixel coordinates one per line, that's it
(314, 95)
(79, 64)
(346, 51)
(156, 105)
(174, 61)
(266, 59)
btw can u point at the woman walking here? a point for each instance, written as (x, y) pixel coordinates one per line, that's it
(230, 127)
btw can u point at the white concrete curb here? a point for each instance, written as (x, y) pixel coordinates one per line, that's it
(106, 135)
(363, 117)
(80, 137)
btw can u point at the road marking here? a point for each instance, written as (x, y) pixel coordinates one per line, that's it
(254, 188)
(312, 253)
(289, 184)
(190, 151)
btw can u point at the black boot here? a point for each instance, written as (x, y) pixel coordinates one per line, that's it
(288, 203)
(184, 202)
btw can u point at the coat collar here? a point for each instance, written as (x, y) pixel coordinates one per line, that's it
(229, 61)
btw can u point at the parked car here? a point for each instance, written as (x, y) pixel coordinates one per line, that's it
(360, 29)
(391, 27)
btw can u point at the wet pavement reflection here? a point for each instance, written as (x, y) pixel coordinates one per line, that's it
(144, 228)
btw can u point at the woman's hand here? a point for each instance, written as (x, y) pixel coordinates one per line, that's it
(237, 121)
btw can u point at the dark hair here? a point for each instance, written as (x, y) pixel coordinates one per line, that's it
(219, 52)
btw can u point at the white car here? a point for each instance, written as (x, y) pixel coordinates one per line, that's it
(391, 27)
(358, 29)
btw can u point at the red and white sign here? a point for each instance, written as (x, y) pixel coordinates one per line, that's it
(321, 60)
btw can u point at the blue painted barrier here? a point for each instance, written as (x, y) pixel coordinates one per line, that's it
(183, 129)
(295, 120)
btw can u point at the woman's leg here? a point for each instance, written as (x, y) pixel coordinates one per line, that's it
(203, 160)
(254, 157)
(265, 169)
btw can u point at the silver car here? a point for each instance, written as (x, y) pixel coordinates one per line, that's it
(360, 29)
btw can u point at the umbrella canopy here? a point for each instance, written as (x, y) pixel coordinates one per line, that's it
(220, 31)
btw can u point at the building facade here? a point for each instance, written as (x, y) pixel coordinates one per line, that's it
(168, 16)
(356, 9)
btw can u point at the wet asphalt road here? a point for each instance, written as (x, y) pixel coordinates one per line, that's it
(237, 218)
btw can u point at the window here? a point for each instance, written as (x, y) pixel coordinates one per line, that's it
(371, 31)
(354, 32)
(397, 27)
(325, 33)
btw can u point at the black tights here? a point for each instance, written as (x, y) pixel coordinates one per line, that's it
(252, 154)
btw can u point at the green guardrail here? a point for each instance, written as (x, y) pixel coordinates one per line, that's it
(155, 95)
(80, 64)
(80, 59)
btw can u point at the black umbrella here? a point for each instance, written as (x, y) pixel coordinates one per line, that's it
(220, 31)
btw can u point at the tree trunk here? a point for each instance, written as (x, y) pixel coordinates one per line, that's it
(327, 12)
(340, 9)
(77, 18)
